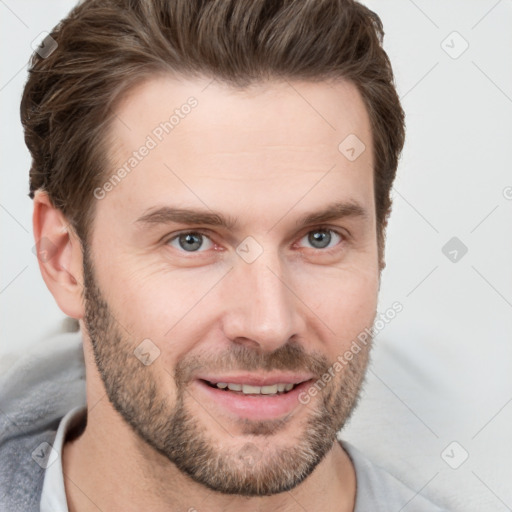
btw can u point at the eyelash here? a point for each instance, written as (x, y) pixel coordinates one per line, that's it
(208, 234)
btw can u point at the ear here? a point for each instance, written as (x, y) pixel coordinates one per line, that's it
(59, 252)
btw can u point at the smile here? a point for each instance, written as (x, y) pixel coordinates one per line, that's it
(251, 396)
(248, 389)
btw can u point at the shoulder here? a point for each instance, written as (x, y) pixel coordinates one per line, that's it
(22, 470)
(36, 391)
(379, 491)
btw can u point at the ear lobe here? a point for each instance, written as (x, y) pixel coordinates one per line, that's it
(59, 253)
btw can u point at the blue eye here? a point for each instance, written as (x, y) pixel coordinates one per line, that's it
(322, 238)
(195, 241)
(190, 241)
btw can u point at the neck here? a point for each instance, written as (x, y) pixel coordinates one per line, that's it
(121, 472)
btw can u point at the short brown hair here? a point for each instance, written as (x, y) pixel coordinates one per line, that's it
(105, 47)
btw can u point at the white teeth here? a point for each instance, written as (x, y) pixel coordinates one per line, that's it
(251, 390)
(269, 390)
(247, 389)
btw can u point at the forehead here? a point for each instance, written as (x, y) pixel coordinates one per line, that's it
(198, 141)
(312, 112)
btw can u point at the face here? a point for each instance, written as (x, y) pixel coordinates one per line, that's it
(230, 266)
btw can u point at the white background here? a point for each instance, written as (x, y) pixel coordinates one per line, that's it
(442, 369)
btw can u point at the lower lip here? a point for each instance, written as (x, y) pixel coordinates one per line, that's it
(254, 407)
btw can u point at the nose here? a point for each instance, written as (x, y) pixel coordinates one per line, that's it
(261, 308)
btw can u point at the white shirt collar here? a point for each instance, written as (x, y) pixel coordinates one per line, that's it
(53, 495)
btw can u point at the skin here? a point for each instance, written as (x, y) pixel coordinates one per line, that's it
(265, 157)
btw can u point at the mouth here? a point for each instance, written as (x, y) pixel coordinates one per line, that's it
(248, 389)
(252, 398)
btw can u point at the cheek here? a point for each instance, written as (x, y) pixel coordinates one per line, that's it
(345, 301)
(160, 304)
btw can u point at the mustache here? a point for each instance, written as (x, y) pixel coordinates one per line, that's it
(289, 357)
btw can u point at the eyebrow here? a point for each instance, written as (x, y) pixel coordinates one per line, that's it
(334, 211)
(167, 215)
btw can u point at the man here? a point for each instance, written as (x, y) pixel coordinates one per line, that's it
(211, 189)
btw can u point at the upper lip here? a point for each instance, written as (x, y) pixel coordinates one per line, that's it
(254, 379)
